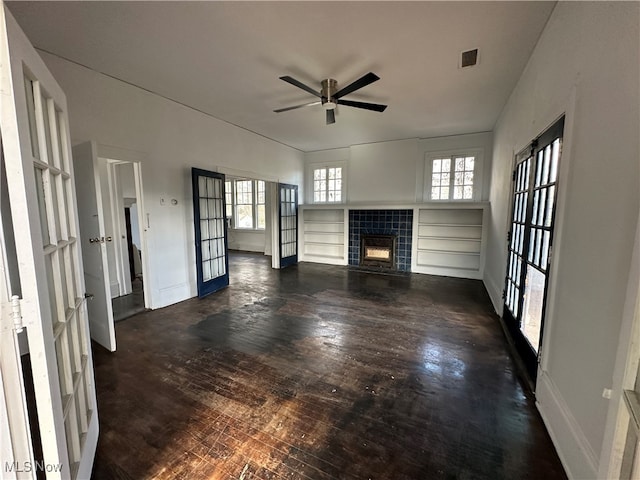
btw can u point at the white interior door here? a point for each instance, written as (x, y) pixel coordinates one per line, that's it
(36, 147)
(94, 245)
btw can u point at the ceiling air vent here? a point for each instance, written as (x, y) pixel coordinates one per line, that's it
(469, 58)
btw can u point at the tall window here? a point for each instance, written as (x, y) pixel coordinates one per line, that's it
(452, 178)
(246, 203)
(327, 184)
(260, 205)
(228, 198)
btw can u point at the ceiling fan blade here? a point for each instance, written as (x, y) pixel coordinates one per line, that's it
(299, 84)
(361, 82)
(286, 109)
(376, 107)
(331, 117)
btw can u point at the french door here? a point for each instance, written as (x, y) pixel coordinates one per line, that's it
(212, 260)
(288, 220)
(53, 311)
(530, 242)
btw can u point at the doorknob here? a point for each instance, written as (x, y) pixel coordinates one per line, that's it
(109, 239)
(94, 240)
(88, 296)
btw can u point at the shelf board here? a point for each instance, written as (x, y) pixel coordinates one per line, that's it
(449, 224)
(449, 252)
(462, 239)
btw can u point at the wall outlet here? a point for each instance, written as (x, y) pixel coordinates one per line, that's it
(606, 393)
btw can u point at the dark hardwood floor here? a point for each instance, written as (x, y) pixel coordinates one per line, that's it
(318, 372)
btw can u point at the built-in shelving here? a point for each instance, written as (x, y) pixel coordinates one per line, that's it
(449, 241)
(323, 232)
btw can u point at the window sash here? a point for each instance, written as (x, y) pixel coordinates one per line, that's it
(327, 185)
(246, 204)
(453, 178)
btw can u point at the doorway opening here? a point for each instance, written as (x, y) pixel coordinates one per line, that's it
(125, 253)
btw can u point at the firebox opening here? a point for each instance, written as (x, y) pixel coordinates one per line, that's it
(378, 251)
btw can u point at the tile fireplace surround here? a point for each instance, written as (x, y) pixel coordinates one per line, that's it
(382, 222)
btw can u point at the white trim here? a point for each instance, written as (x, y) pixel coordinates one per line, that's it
(478, 172)
(578, 458)
(308, 177)
(624, 374)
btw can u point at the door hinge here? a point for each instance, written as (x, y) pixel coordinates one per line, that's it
(513, 177)
(509, 237)
(504, 293)
(549, 255)
(16, 314)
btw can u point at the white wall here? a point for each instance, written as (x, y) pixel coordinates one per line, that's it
(172, 139)
(393, 172)
(585, 64)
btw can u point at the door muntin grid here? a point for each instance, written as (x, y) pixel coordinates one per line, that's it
(531, 239)
(288, 213)
(517, 236)
(60, 249)
(211, 231)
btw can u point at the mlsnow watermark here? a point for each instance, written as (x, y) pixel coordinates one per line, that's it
(30, 467)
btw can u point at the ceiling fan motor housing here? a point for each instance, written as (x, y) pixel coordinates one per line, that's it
(329, 89)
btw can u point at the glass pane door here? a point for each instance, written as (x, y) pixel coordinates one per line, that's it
(212, 263)
(288, 213)
(530, 242)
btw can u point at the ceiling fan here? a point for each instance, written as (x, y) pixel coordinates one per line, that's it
(330, 97)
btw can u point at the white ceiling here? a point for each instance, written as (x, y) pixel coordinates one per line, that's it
(224, 59)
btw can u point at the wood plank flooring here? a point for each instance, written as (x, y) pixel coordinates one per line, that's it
(318, 372)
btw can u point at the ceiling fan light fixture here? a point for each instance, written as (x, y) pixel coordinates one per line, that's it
(329, 105)
(330, 96)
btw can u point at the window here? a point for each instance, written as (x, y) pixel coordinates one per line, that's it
(327, 184)
(452, 177)
(246, 203)
(228, 198)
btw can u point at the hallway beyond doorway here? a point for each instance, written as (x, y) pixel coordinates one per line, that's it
(319, 372)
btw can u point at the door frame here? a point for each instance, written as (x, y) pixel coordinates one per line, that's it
(115, 156)
(624, 375)
(530, 358)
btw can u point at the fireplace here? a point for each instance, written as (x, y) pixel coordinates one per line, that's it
(378, 251)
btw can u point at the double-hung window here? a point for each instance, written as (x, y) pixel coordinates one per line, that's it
(246, 203)
(452, 177)
(327, 184)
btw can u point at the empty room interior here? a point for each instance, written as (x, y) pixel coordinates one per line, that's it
(320, 240)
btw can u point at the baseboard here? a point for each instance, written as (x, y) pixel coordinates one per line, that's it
(495, 294)
(578, 458)
(447, 272)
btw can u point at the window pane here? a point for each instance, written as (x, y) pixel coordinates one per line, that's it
(261, 217)
(446, 164)
(244, 216)
(459, 179)
(469, 163)
(457, 193)
(435, 180)
(459, 164)
(437, 166)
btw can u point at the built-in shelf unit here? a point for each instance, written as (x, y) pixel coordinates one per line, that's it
(447, 238)
(323, 235)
